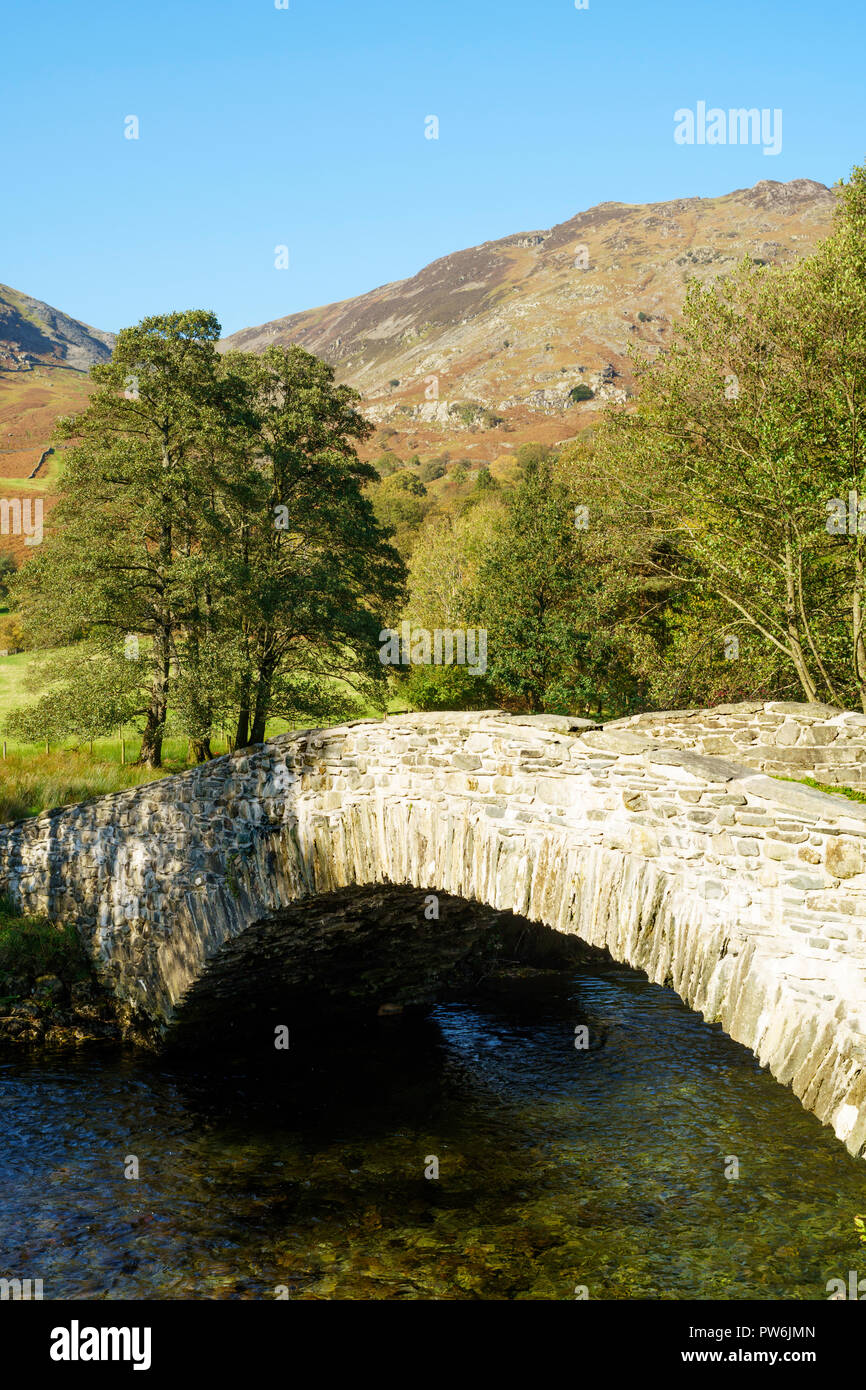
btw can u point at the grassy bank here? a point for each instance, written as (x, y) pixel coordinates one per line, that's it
(48, 992)
(31, 782)
(33, 946)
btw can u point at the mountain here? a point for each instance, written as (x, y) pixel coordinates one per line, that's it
(32, 332)
(508, 329)
(482, 348)
(44, 358)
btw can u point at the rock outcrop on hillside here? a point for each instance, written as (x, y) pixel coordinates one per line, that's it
(514, 325)
(32, 332)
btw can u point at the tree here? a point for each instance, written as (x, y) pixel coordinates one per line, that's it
(92, 689)
(529, 453)
(432, 469)
(744, 434)
(442, 576)
(304, 565)
(7, 569)
(542, 598)
(215, 507)
(12, 637)
(120, 556)
(444, 566)
(400, 505)
(387, 463)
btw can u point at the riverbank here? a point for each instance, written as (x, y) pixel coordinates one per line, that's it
(48, 993)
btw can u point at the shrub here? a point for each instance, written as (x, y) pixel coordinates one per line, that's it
(432, 469)
(7, 568)
(444, 687)
(387, 463)
(531, 453)
(11, 633)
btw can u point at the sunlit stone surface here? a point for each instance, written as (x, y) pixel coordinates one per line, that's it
(745, 893)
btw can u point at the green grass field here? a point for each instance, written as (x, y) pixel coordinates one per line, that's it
(34, 781)
(13, 672)
(34, 778)
(45, 481)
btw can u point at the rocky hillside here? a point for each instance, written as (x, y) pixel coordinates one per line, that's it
(512, 330)
(32, 332)
(522, 338)
(44, 359)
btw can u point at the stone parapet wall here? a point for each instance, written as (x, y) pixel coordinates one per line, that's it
(780, 738)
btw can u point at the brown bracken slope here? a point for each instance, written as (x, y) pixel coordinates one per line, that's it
(514, 325)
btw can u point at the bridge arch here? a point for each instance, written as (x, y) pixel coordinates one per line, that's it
(745, 894)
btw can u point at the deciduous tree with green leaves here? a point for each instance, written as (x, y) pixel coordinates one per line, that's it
(744, 433)
(213, 506)
(121, 554)
(305, 569)
(541, 594)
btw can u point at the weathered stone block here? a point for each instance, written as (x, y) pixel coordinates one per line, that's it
(467, 762)
(844, 857)
(700, 767)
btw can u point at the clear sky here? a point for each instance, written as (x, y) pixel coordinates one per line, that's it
(305, 127)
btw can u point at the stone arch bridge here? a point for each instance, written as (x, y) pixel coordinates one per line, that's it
(669, 840)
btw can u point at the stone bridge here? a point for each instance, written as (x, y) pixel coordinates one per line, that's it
(744, 892)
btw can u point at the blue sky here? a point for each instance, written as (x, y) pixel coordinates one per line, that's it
(305, 127)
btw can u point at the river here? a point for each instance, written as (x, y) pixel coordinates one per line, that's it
(303, 1172)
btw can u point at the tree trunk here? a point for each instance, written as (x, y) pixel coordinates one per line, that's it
(201, 749)
(857, 623)
(795, 645)
(263, 703)
(243, 726)
(154, 728)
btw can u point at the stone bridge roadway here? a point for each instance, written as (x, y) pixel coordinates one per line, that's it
(745, 893)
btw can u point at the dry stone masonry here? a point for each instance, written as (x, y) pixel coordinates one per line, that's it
(788, 740)
(745, 893)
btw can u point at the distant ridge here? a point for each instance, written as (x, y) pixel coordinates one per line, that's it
(31, 331)
(509, 328)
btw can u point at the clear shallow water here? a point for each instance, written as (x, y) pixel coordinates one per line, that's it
(557, 1167)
